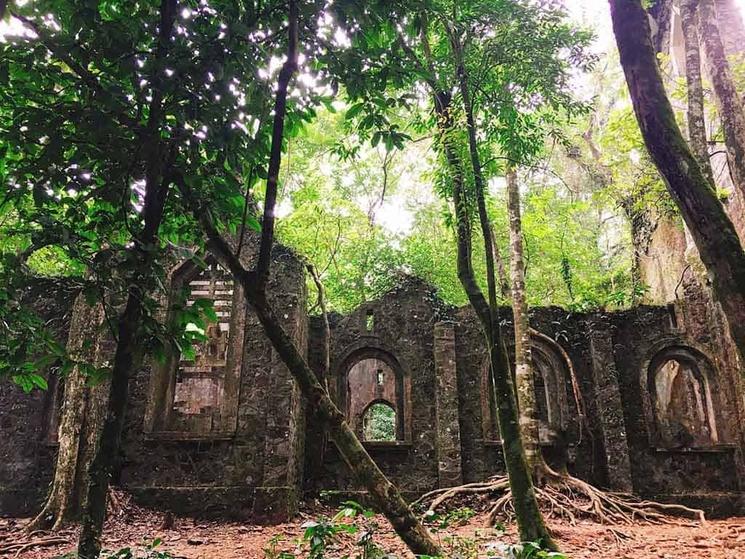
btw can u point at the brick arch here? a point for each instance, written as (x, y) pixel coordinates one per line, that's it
(558, 412)
(677, 380)
(395, 391)
(205, 406)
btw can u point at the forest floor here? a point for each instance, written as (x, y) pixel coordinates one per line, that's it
(461, 535)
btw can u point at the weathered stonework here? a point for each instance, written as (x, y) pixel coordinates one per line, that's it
(608, 386)
(448, 426)
(609, 405)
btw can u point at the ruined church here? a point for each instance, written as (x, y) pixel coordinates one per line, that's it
(645, 401)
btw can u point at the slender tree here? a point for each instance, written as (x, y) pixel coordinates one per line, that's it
(524, 370)
(712, 231)
(695, 88)
(728, 100)
(128, 355)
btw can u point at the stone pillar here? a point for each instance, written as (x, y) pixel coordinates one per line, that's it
(609, 406)
(449, 468)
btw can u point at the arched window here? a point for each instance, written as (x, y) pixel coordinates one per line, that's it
(551, 374)
(379, 422)
(195, 394)
(372, 392)
(681, 396)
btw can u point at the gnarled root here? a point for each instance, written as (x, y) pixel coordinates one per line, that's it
(563, 495)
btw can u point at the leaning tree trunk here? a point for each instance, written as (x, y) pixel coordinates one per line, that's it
(728, 101)
(711, 228)
(78, 425)
(384, 494)
(524, 371)
(696, 117)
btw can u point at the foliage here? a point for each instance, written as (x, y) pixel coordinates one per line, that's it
(321, 534)
(379, 423)
(149, 551)
(454, 517)
(84, 106)
(357, 196)
(530, 550)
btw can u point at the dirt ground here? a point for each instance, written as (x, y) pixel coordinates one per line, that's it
(197, 539)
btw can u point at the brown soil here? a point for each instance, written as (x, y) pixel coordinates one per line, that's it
(197, 539)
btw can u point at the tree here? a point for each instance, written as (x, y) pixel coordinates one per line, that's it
(696, 120)
(728, 101)
(112, 103)
(712, 231)
(524, 371)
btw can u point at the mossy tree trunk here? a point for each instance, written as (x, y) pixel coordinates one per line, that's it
(524, 370)
(712, 231)
(696, 115)
(79, 424)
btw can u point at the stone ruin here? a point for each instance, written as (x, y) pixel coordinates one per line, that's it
(645, 401)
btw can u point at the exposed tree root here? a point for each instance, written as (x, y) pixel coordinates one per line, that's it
(565, 496)
(20, 547)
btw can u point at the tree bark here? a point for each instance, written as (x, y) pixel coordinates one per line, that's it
(75, 432)
(712, 231)
(696, 116)
(529, 519)
(728, 101)
(128, 355)
(504, 282)
(524, 369)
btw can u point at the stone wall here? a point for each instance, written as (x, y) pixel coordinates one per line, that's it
(611, 389)
(28, 421)
(399, 330)
(252, 466)
(598, 417)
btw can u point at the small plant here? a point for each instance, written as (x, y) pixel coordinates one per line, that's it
(461, 548)
(530, 550)
(272, 551)
(149, 551)
(323, 533)
(455, 517)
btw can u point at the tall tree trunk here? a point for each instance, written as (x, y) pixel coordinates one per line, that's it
(711, 228)
(696, 118)
(529, 518)
(75, 432)
(128, 355)
(728, 101)
(524, 371)
(731, 27)
(384, 494)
